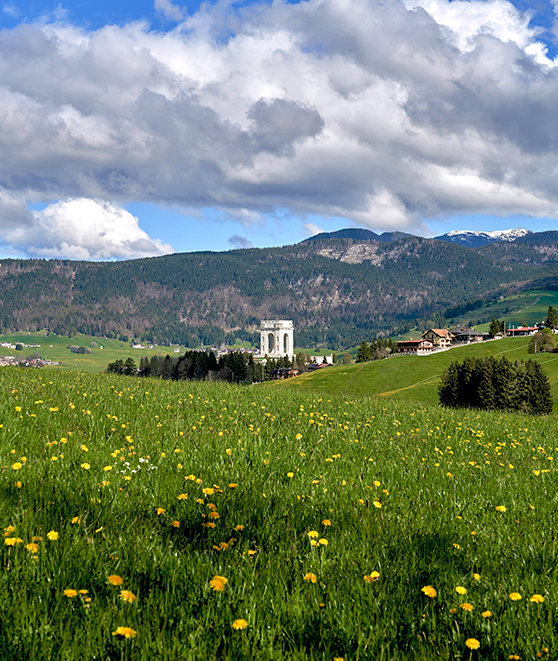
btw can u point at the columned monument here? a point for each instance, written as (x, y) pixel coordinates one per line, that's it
(277, 338)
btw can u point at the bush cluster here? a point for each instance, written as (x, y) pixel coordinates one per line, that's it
(496, 384)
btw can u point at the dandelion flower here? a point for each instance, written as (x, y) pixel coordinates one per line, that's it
(373, 576)
(76, 519)
(290, 474)
(182, 496)
(239, 527)
(477, 577)
(86, 467)
(83, 592)
(239, 624)
(160, 510)
(127, 595)
(501, 508)
(218, 583)
(537, 599)
(53, 535)
(377, 504)
(472, 643)
(429, 591)
(32, 547)
(515, 596)
(208, 491)
(323, 542)
(12, 541)
(461, 590)
(233, 485)
(126, 632)
(311, 578)
(486, 614)
(113, 579)
(467, 607)
(17, 465)
(326, 522)
(70, 593)
(313, 533)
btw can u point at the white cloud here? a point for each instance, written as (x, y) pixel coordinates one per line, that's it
(11, 10)
(385, 114)
(75, 229)
(311, 229)
(169, 10)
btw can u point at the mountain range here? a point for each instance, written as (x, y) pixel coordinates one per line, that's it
(338, 288)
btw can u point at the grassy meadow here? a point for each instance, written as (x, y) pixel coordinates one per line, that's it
(151, 520)
(412, 378)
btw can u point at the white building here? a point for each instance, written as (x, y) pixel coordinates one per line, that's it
(277, 338)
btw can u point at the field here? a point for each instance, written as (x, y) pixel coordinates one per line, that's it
(160, 520)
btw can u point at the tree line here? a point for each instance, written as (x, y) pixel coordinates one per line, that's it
(496, 384)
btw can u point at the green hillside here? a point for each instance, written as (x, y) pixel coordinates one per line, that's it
(529, 307)
(54, 347)
(412, 378)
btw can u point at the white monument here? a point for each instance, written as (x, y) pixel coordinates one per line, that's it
(277, 338)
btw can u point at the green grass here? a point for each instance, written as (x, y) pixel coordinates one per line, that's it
(408, 491)
(411, 378)
(529, 307)
(54, 347)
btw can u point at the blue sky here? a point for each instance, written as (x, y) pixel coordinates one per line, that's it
(140, 128)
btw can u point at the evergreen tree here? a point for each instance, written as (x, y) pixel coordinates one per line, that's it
(364, 354)
(551, 320)
(495, 327)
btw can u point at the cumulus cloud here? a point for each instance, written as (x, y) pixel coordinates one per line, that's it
(386, 113)
(75, 229)
(240, 242)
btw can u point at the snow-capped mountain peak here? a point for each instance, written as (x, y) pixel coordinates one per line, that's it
(474, 239)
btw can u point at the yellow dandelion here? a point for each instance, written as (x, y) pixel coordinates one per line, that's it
(313, 533)
(477, 577)
(208, 491)
(377, 504)
(83, 592)
(501, 508)
(126, 632)
(233, 485)
(486, 614)
(32, 547)
(472, 643)
(537, 599)
(86, 466)
(239, 527)
(128, 596)
(70, 593)
(515, 596)
(326, 522)
(323, 542)
(466, 607)
(12, 541)
(373, 576)
(113, 579)
(461, 590)
(182, 496)
(217, 583)
(160, 510)
(290, 474)
(76, 519)
(107, 469)
(17, 465)
(175, 524)
(429, 591)
(239, 624)
(310, 578)
(53, 535)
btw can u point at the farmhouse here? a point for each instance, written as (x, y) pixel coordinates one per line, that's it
(521, 331)
(440, 337)
(417, 347)
(468, 335)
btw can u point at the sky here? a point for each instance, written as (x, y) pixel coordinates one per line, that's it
(142, 128)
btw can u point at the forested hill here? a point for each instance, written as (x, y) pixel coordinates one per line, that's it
(337, 290)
